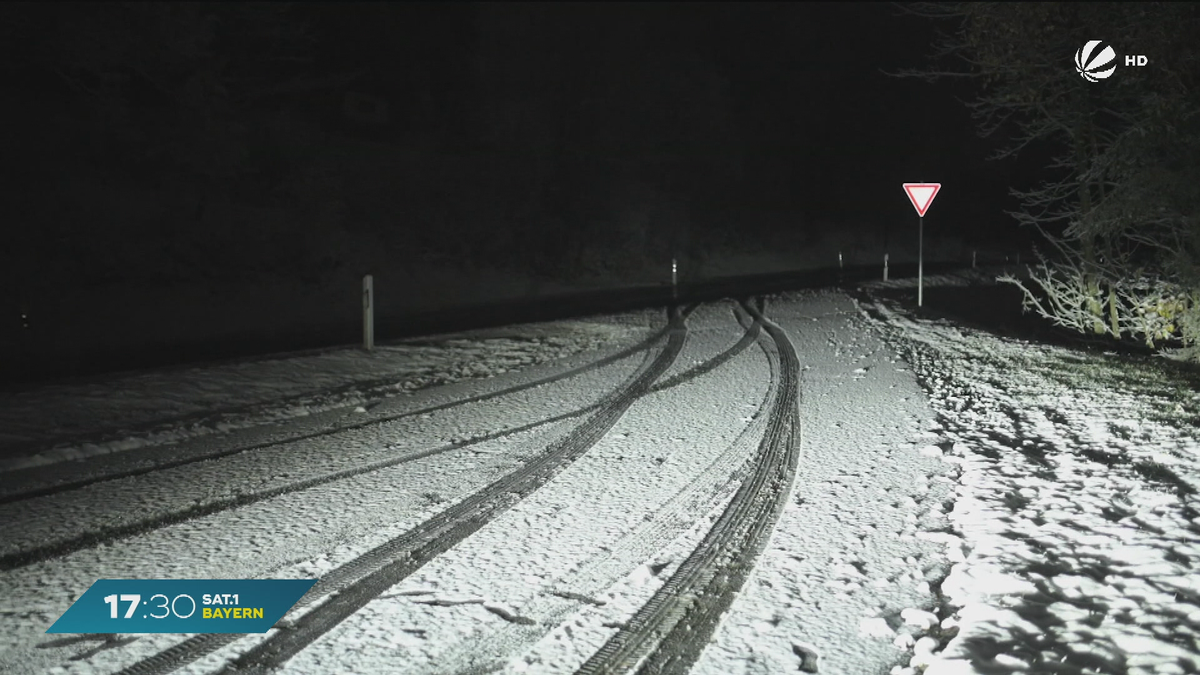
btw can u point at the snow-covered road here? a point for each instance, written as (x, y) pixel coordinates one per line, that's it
(807, 488)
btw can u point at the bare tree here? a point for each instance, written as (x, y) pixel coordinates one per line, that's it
(1117, 207)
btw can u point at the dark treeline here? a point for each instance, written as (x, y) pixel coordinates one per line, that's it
(181, 142)
(1117, 197)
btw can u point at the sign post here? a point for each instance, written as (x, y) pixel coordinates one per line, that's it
(921, 195)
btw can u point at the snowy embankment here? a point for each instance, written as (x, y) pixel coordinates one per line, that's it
(47, 424)
(1076, 526)
(982, 276)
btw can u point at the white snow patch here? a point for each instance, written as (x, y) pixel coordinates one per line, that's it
(1072, 520)
(47, 424)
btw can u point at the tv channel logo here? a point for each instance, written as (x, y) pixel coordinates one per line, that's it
(1097, 61)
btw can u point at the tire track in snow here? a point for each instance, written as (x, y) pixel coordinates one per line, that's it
(411, 551)
(111, 534)
(489, 652)
(356, 583)
(668, 633)
(68, 486)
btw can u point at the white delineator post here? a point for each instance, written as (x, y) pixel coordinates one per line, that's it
(885, 266)
(674, 278)
(840, 265)
(973, 259)
(368, 313)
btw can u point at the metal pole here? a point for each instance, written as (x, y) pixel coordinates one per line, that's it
(920, 260)
(368, 313)
(973, 259)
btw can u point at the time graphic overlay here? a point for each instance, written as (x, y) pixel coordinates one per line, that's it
(182, 606)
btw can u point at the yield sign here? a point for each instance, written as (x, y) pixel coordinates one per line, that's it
(921, 195)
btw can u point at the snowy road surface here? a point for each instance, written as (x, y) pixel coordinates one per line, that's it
(806, 483)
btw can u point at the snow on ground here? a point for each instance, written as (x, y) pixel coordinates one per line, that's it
(47, 520)
(301, 533)
(846, 566)
(844, 584)
(680, 440)
(980, 276)
(1076, 527)
(47, 424)
(965, 503)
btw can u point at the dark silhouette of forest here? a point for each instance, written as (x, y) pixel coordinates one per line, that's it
(166, 142)
(187, 171)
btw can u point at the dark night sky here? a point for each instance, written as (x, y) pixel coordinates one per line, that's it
(205, 145)
(217, 146)
(814, 114)
(507, 122)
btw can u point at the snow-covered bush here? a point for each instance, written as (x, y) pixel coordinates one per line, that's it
(1147, 308)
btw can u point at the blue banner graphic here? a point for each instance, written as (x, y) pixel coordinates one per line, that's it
(182, 606)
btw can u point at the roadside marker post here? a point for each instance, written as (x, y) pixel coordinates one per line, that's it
(921, 195)
(368, 301)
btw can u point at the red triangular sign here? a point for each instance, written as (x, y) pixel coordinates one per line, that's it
(921, 195)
